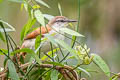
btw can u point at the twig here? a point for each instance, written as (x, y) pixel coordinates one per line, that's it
(59, 68)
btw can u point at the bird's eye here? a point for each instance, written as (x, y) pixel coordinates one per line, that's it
(61, 20)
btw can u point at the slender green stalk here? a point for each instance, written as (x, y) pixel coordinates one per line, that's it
(49, 57)
(10, 44)
(40, 42)
(61, 50)
(77, 29)
(77, 66)
(52, 51)
(57, 56)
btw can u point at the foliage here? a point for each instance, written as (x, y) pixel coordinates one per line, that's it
(48, 66)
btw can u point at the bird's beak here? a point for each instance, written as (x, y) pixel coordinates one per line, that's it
(71, 20)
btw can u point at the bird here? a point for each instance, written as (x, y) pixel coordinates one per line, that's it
(53, 26)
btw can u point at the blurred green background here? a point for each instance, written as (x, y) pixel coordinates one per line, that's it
(99, 23)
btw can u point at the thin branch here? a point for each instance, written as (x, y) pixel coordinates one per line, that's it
(51, 66)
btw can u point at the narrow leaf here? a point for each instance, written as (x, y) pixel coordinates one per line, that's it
(12, 71)
(6, 29)
(27, 27)
(39, 16)
(11, 28)
(83, 70)
(42, 3)
(3, 50)
(101, 63)
(60, 10)
(71, 32)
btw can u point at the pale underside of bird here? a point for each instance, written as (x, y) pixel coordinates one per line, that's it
(53, 27)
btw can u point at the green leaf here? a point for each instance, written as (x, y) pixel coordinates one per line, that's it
(3, 50)
(27, 27)
(11, 28)
(71, 32)
(39, 16)
(12, 71)
(67, 47)
(42, 3)
(2, 37)
(48, 17)
(60, 10)
(83, 70)
(6, 29)
(17, 1)
(54, 75)
(27, 50)
(101, 63)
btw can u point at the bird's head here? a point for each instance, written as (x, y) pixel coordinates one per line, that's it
(60, 21)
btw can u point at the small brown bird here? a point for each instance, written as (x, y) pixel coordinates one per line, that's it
(53, 26)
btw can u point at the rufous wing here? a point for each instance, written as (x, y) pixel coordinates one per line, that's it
(35, 33)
